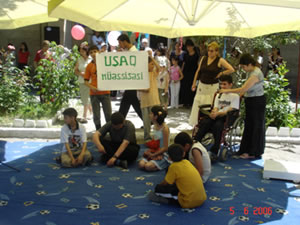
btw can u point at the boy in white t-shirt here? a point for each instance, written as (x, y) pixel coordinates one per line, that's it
(196, 153)
(73, 136)
(223, 104)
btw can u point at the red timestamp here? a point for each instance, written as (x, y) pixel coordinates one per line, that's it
(254, 210)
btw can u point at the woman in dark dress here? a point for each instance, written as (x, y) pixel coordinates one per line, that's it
(189, 67)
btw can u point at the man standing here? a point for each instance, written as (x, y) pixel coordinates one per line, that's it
(129, 96)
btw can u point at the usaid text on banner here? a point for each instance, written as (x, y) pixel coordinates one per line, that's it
(122, 70)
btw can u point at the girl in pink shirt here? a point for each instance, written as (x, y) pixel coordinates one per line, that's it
(176, 76)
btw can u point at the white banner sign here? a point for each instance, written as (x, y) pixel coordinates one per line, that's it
(122, 70)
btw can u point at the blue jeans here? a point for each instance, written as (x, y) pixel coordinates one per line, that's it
(106, 105)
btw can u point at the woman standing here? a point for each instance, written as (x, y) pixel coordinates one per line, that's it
(177, 53)
(209, 70)
(189, 66)
(80, 66)
(23, 56)
(253, 140)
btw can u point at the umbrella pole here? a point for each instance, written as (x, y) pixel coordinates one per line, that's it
(298, 81)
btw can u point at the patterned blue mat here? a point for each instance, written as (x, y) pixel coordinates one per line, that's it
(44, 193)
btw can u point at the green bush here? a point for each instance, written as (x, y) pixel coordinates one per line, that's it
(278, 110)
(55, 78)
(13, 87)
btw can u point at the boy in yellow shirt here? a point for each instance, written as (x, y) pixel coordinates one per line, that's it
(182, 184)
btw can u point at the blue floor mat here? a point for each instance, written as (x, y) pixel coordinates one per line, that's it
(44, 193)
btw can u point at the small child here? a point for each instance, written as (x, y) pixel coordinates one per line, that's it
(176, 76)
(73, 136)
(182, 182)
(163, 77)
(149, 97)
(155, 158)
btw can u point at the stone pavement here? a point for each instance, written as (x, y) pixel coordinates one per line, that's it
(177, 120)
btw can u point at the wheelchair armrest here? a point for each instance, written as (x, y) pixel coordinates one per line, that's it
(205, 109)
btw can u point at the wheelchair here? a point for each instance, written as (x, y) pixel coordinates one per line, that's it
(231, 133)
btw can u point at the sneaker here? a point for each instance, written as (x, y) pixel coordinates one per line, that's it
(155, 198)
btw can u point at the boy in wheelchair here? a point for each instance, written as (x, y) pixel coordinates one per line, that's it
(213, 121)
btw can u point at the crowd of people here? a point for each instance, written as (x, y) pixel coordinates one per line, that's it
(189, 78)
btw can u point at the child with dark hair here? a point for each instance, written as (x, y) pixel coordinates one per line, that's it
(73, 136)
(97, 97)
(196, 153)
(155, 157)
(222, 105)
(182, 184)
(121, 149)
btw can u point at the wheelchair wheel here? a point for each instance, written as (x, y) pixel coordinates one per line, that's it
(223, 154)
(235, 134)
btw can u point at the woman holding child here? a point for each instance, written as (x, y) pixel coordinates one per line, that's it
(210, 68)
(253, 139)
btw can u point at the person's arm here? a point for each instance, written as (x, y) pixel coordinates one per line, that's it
(77, 72)
(247, 85)
(97, 142)
(181, 76)
(197, 155)
(167, 81)
(87, 76)
(156, 66)
(164, 182)
(119, 152)
(81, 155)
(228, 68)
(73, 160)
(182, 66)
(166, 133)
(196, 75)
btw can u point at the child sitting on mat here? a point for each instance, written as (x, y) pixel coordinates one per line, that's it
(73, 136)
(182, 184)
(155, 157)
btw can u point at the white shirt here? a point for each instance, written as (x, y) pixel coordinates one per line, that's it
(75, 139)
(205, 159)
(227, 100)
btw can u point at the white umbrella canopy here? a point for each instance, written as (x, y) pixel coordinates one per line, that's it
(20, 13)
(176, 18)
